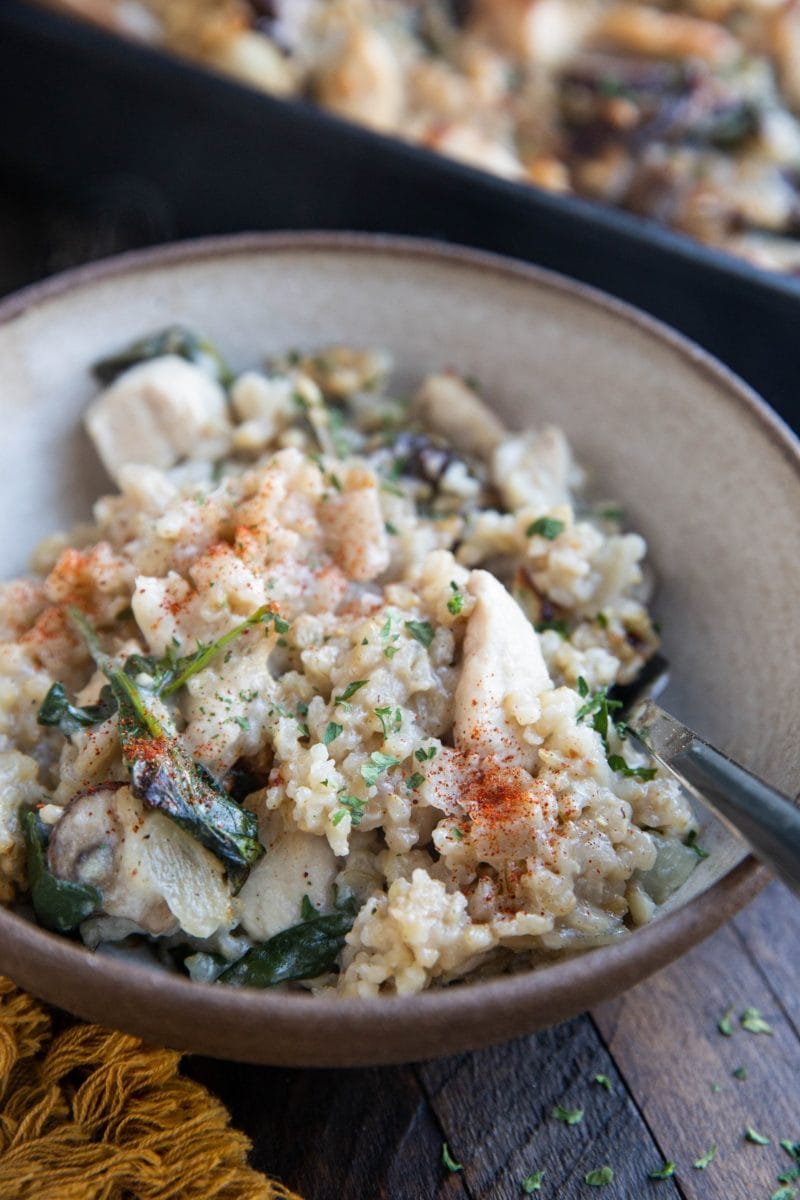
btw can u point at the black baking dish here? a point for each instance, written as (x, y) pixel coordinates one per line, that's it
(95, 120)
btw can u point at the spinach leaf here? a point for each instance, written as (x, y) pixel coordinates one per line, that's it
(57, 711)
(166, 778)
(59, 904)
(300, 952)
(175, 339)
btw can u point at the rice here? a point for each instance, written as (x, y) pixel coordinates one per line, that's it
(335, 712)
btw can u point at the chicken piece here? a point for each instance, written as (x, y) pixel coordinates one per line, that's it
(354, 527)
(535, 469)
(444, 404)
(252, 57)
(542, 31)
(640, 30)
(465, 143)
(364, 81)
(502, 660)
(296, 864)
(157, 413)
(149, 871)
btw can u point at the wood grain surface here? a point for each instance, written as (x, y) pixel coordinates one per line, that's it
(671, 1094)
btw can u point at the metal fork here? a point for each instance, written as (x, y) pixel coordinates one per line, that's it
(760, 815)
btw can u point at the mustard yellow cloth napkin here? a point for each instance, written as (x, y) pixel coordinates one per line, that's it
(89, 1114)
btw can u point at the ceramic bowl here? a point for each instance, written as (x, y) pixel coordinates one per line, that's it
(702, 467)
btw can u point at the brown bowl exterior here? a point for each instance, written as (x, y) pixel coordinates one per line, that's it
(697, 458)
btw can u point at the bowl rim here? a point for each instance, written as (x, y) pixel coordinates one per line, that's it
(516, 998)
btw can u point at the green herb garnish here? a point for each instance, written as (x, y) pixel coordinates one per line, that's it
(456, 601)
(370, 771)
(739, 1072)
(725, 1024)
(569, 1116)
(350, 804)
(390, 718)
(350, 691)
(414, 781)
(666, 1171)
(702, 1162)
(752, 1135)
(422, 631)
(546, 527)
(331, 733)
(307, 910)
(448, 1160)
(604, 1082)
(752, 1020)
(533, 1183)
(599, 1177)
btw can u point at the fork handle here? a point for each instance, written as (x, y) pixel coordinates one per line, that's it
(764, 817)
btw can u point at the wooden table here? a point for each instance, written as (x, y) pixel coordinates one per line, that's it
(670, 1091)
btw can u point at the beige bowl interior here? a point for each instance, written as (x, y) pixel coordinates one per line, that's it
(701, 468)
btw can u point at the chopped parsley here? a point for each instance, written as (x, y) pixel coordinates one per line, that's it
(390, 718)
(423, 755)
(784, 1193)
(390, 651)
(724, 1024)
(350, 804)
(281, 626)
(702, 1162)
(691, 842)
(350, 691)
(583, 687)
(457, 834)
(546, 527)
(331, 733)
(390, 528)
(791, 1148)
(599, 1177)
(604, 1082)
(307, 910)
(448, 1161)
(533, 1183)
(376, 766)
(602, 620)
(569, 1116)
(414, 781)
(752, 1135)
(456, 601)
(665, 1171)
(739, 1073)
(752, 1020)
(422, 631)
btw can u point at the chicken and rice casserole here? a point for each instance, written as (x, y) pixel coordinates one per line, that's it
(685, 111)
(323, 691)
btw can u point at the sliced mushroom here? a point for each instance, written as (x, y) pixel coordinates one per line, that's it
(502, 658)
(149, 871)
